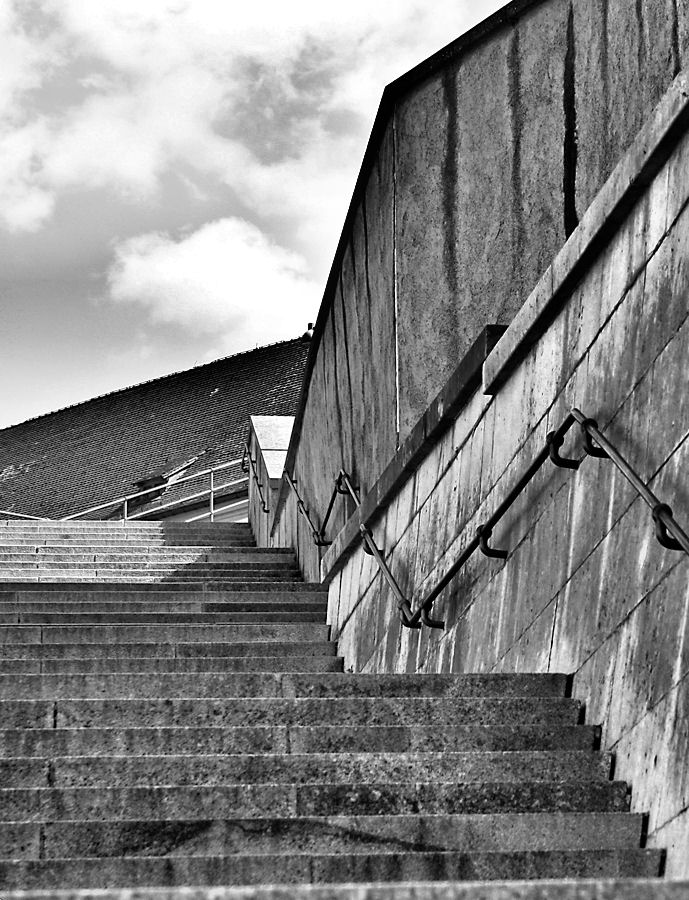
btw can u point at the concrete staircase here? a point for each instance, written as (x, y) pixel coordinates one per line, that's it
(173, 715)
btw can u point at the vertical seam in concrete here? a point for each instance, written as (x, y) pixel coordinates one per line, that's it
(449, 179)
(394, 277)
(552, 634)
(514, 98)
(55, 714)
(354, 465)
(364, 216)
(336, 384)
(569, 169)
(641, 46)
(41, 841)
(675, 40)
(605, 85)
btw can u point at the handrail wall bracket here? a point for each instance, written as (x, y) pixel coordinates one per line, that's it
(667, 531)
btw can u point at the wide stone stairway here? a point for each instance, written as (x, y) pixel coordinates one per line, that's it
(173, 714)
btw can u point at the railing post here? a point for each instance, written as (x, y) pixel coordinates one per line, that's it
(212, 498)
(126, 509)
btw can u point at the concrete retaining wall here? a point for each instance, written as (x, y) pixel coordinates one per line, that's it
(586, 589)
(481, 162)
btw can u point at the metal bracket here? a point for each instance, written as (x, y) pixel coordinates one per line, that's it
(340, 487)
(431, 623)
(590, 448)
(406, 621)
(664, 539)
(484, 533)
(554, 442)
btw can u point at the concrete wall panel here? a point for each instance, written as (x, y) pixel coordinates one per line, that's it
(429, 322)
(586, 588)
(480, 169)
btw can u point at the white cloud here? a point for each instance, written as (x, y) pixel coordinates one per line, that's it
(226, 280)
(161, 78)
(267, 103)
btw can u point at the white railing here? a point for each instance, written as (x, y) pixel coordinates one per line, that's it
(125, 501)
(6, 512)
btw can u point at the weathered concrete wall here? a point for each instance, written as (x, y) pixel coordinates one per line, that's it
(586, 588)
(267, 448)
(480, 164)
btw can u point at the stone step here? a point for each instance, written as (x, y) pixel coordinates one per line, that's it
(579, 889)
(86, 543)
(17, 536)
(140, 561)
(160, 526)
(501, 833)
(178, 650)
(186, 581)
(336, 685)
(313, 768)
(94, 741)
(234, 711)
(326, 868)
(285, 663)
(228, 617)
(201, 803)
(117, 634)
(256, 555)
(214, 588)
(51, 598)
(149, 604)
(42, 571)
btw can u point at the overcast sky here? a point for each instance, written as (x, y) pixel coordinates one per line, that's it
(174, 175)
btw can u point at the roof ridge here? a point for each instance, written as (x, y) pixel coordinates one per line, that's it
(150, 381)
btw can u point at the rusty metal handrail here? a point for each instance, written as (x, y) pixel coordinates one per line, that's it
(252, 462)
(676, 539)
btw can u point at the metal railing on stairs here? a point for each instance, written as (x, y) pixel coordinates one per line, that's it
(126, 501)
(344, 486)
(246, 455)
(668, 532)
(316, 533)
(17, 515)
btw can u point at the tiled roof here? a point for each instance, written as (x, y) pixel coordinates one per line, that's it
(83, 455)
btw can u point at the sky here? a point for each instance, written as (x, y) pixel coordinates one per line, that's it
(174, 175)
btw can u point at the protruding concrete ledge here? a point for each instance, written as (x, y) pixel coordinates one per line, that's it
(602, 220)
(439, 416)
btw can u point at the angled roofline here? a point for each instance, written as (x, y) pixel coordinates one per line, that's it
(393, 92)
(148, 381)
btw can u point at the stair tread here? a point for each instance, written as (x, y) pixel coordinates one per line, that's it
(173, 713)
(411, 889)
(295, 867)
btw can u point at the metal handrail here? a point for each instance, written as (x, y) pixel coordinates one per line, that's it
(317, 534)
(372, 548)
(254, 471)
(677, 538)
(225, 508)
(208, 492)
(7, 512)
(124, 501)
